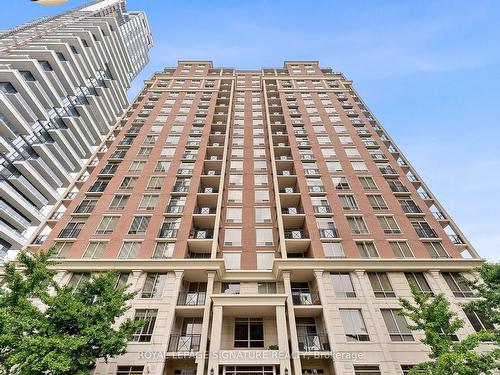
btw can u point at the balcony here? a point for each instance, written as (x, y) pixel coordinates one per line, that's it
(313, 343)
(208, 190)
(184, 342)
(456, 240)
(316, 189)
(305, 298)
(296, 234)
(201, 234)
(292, 211)
(205, 210)
(191, 299)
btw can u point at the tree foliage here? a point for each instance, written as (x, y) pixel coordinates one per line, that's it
(50, 329)
(439, 324)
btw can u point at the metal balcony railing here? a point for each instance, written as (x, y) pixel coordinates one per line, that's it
(184, 342)
(305, 298)
(191, 298)
(296, 234)
(329, 233)
(201, 234)
(426, 232)
(313, 343)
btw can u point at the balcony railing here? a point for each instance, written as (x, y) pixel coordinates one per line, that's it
(313, 343)
(292, 210)
(191, 299)
(329, 233)
(201, 234)
(296, 234)
(322, 209)
(208, 189)
(69, 233)
(455, 239)
(174, 209)
(205, 210)
(426, 232)
(168, 233)
(289, 189)
(184, 342)
(305, 298)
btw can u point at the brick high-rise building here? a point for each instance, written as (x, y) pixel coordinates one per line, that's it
(267, 220)
(63, 85)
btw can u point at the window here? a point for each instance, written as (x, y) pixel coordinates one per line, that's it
(153, 286)
(389, 225)
(381, 285)
(419, 281)
(260, 179)
(232, 237)
(348, 202)
(234, 196)
(266, 288)
(77, 279)
(264, 236)
(479, 321)
(334, 166)
(146, 331)
(342, 285)
(128, 182)
(351, 152)
(148, 202)
(436, 250)
(139, 225)
(354, 325)
(156, 183)
(129, 250)
(118, 203)
(164, 250)
(162, 166)
(457, 286)
(340, 183)
(366, 370)
(95, 249)
(359, 166)
(423, 229)
(248, 333)
(144, 151)
(367, 249)
(401, 249)
(333, 250)
(367, 183)
(233, 214)
(396, 324)
(107, 225)
(130, 370)
(265, 260)
(137, 166)
(235, 179)
(377, 202)
(261, 196)
(262, 215)
(236, 165)
(259, 165)
(357, 225)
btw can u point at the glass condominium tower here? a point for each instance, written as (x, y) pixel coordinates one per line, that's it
(268, 224)
(63, 86)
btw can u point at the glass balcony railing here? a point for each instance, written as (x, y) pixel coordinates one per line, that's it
(313, 343)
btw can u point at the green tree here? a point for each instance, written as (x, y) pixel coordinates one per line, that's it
(50, 329)
(433, 317)
(486, 288)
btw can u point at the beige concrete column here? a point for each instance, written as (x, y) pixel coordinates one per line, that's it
(297, 368)
(171, 316)
(376, 316)
(318, 274)
(282, 339)
(206, 322)
(215, 339)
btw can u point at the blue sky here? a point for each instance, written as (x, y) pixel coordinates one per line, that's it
(429, 71)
